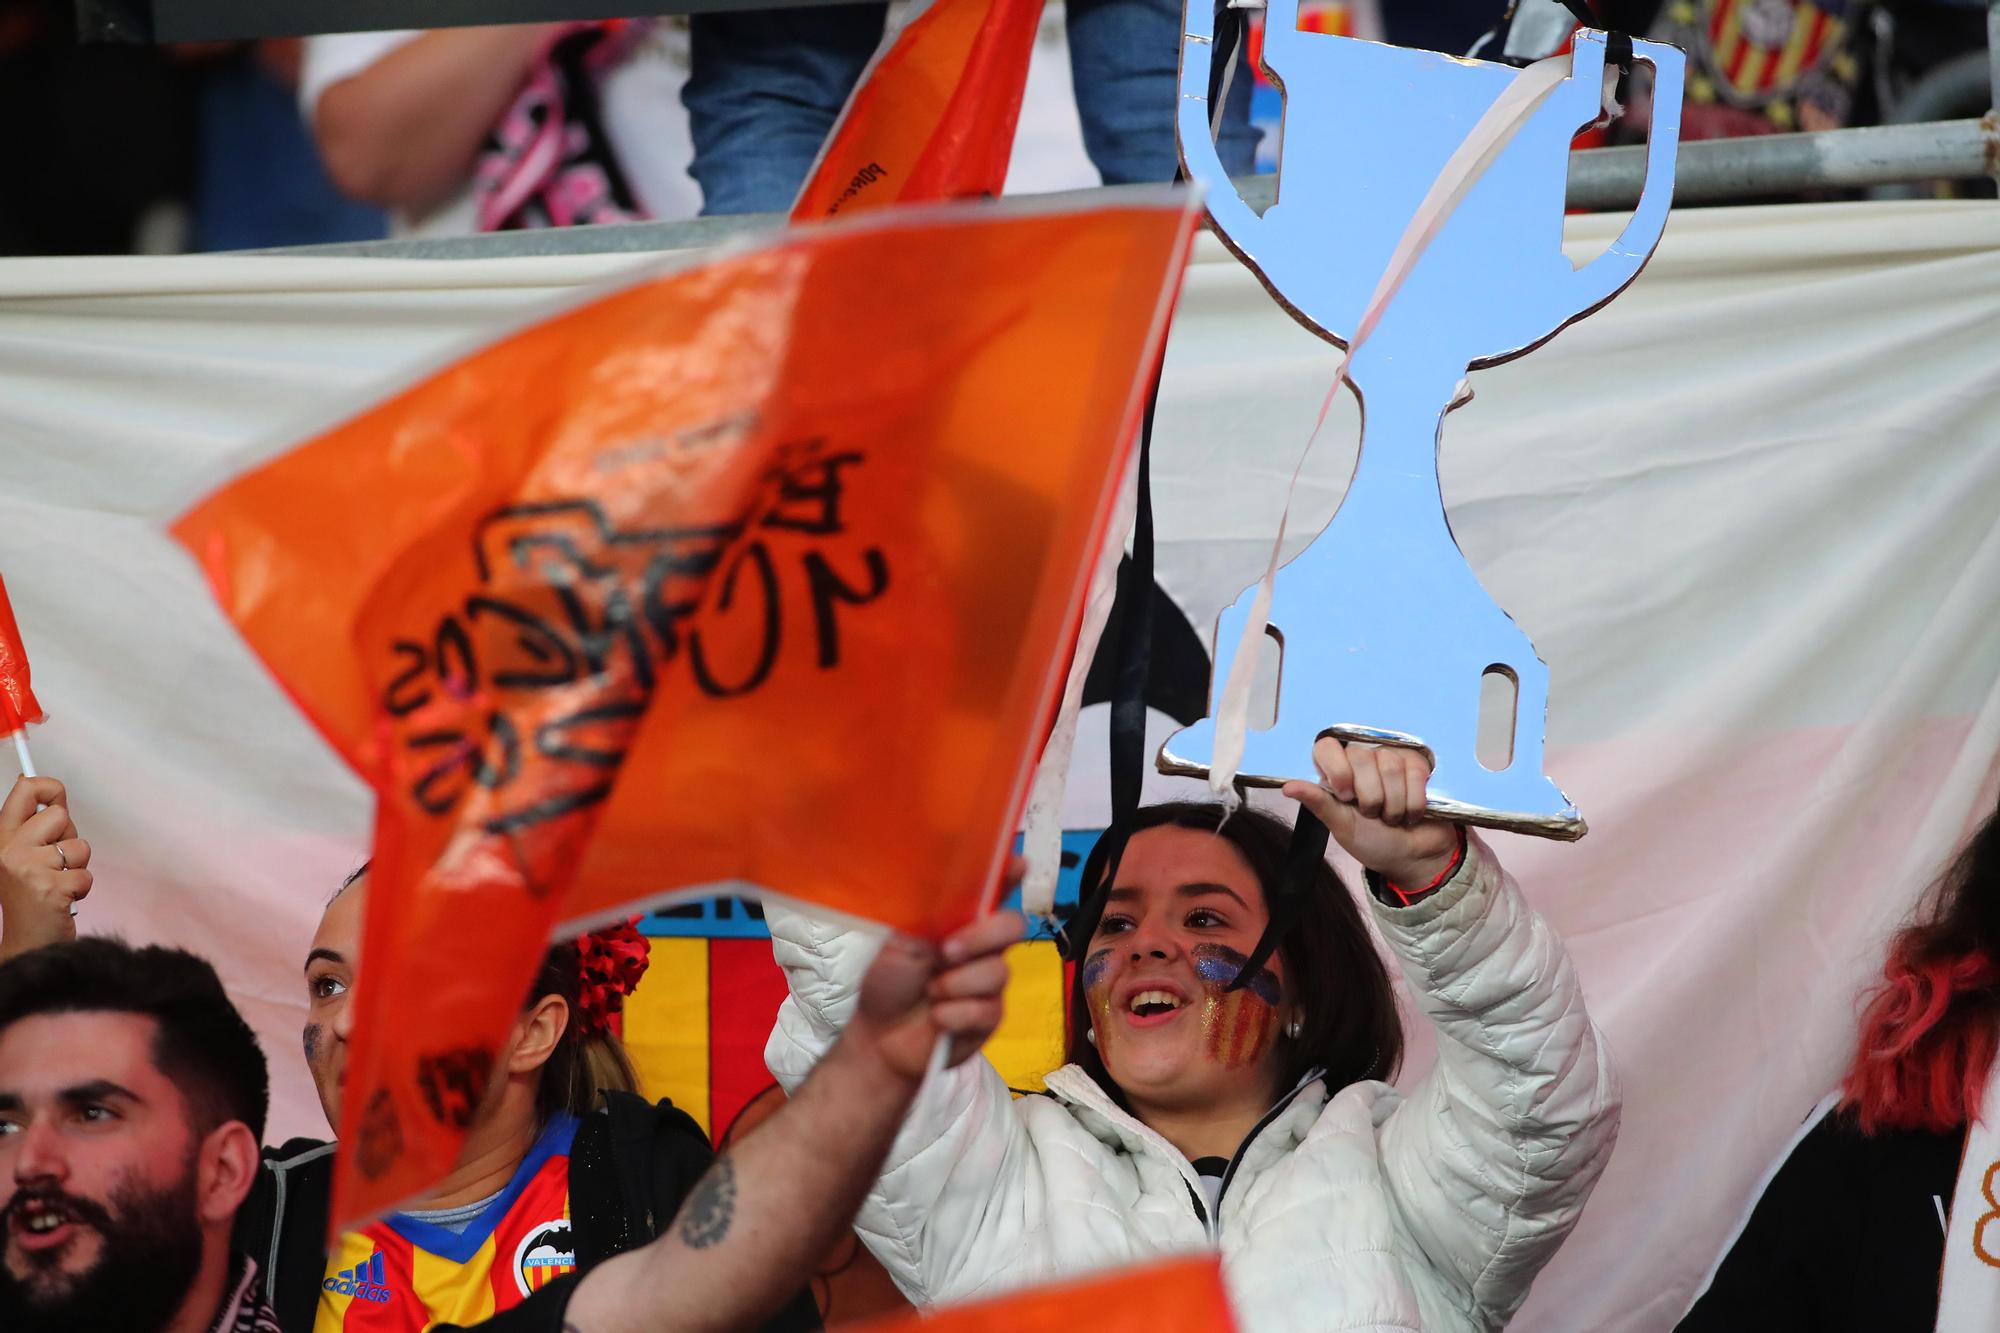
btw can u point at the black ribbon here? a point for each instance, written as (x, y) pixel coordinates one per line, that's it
(1128, 634)
(1228, 33)
(1128, 631)
(1617, 45)
(1288, 896)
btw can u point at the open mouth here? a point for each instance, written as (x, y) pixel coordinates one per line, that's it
(41, 1223)
(1153, 1003)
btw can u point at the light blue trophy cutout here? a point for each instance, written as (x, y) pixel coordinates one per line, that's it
(1384, 631)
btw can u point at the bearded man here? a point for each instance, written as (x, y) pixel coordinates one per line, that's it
(132, 1103)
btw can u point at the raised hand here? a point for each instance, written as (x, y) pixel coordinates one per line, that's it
(1371, 799)
(43, 867)
(916, 992)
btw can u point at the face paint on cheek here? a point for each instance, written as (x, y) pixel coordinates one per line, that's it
(1239, 1025)
(1095, 978)
(312, 1043)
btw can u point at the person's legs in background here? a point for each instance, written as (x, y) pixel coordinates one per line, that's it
(1124, 60)
(763, 91)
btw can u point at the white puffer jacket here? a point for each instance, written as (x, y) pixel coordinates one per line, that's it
(1359, 1211)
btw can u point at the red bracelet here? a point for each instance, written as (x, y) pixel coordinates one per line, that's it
(1457, 859)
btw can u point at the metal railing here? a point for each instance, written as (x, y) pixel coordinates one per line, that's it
(1709, 171)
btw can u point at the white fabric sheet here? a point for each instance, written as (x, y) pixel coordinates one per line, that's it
(1746, 513)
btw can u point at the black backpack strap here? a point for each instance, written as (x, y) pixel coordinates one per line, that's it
(630, 1166)
(282, 1226)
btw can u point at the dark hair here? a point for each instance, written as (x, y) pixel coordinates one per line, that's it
(1346, 1008)
(202, 1045)
(1929, 1026)
(583, 1067)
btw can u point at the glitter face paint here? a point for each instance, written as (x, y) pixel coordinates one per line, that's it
(1238, 1025)
(312, 1042)
(1095, 978)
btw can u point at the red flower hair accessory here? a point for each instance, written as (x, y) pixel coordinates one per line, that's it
(609, 965)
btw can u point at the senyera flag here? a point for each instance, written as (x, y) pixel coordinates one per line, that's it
(17, 696)
(933, 115)
(757, 573)
(1180, 1296)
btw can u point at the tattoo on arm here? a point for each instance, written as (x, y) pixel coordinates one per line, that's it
(705, 1220)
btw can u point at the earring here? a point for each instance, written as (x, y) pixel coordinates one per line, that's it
(1090, 1035)
(1294, 1028)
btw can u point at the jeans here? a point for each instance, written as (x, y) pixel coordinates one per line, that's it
(262, 183)
(767, 85)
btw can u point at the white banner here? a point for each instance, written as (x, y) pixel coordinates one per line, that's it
(1746, 514)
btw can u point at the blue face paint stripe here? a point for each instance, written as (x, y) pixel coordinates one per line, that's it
(1094, 968)
(1219, 965)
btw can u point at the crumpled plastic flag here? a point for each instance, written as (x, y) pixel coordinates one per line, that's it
(17, 696)
(758, 573)
(933, 115)
(1181, 1296)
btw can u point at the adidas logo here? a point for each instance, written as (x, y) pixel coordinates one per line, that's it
(364, 1282)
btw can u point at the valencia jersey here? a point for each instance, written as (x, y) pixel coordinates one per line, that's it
(402, 1275)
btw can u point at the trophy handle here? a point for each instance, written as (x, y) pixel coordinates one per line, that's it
(1611, 272)
(1236, 222)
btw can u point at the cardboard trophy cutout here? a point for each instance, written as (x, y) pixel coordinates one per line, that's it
(1384, 629)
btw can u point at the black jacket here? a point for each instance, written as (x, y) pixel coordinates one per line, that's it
(630, 1166)
(1848, 1236)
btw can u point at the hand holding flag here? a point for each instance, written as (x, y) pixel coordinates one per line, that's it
(43, 867)
(758, 573)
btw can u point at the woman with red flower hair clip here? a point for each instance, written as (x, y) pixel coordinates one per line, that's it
(1883, 1214)
(564, 1166)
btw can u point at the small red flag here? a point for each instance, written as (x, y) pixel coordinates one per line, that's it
(1183, 1296)
(757, 572)
(17, 696)
(933, 115)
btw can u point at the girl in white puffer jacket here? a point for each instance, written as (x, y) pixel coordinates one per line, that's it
(1254, 1119)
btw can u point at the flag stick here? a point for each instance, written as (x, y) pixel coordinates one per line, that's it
(19, 729)
(939, 1054)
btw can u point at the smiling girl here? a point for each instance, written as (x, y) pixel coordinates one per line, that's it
(1253, 1118)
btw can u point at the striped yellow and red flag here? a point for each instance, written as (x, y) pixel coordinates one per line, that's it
(756, 572)
(933, 115)
(1180, 1296)
(1758, 67)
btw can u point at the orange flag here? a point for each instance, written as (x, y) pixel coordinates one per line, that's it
(933, 115)
(17, 696)
(1183, 1296)
(755, 573)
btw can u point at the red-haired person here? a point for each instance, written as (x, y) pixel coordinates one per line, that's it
(1883, 1216)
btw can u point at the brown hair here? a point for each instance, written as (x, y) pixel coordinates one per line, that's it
(584, 1066)
(1347, 1009)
